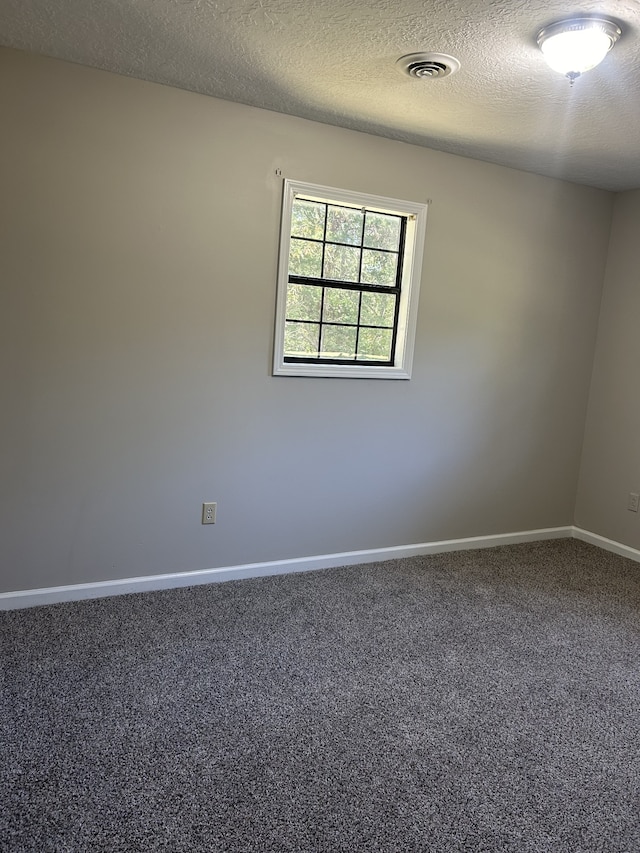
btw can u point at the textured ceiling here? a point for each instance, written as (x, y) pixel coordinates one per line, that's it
(334, 61)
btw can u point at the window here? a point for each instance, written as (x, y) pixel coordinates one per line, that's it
(348, 283)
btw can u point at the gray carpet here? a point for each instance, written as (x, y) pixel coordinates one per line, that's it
(478, 701)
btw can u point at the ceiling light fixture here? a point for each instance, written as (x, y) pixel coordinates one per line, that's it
(577, 44)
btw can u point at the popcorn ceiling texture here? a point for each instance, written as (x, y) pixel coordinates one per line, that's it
(334, 62)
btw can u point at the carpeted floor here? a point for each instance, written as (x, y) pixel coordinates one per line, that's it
(476, 701)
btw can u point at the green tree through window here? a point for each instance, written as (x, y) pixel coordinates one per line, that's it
(344, 282)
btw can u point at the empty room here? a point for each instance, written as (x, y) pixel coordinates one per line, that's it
(320, 434)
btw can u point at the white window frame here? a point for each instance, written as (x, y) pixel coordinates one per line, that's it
(409, 289)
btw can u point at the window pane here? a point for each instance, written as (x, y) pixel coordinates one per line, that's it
(307, 219)
(374, 345)
(378, 309)
(305, 258)
(338, 342)
(344, 225)
(301, 339)
(341, 263)
(303, 302)
(382, 231)
(348, 285)
(379, 267)
(340, 306)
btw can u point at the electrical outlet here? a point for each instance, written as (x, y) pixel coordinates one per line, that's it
(634, 502)
(209, 513)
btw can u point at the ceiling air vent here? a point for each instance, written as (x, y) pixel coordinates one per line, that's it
(428, 66)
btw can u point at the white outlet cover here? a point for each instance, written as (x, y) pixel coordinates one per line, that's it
(209, 510)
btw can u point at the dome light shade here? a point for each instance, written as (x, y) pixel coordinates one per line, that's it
(577, 45)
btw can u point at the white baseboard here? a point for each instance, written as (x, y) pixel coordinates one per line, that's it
(607, 544)
(99, 589)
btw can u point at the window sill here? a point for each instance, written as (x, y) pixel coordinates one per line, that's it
(342, 371)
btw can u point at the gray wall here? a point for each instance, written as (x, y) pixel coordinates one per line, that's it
(139, 244)
(611, 458)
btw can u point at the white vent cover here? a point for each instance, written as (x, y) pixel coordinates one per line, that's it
(428, 66)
